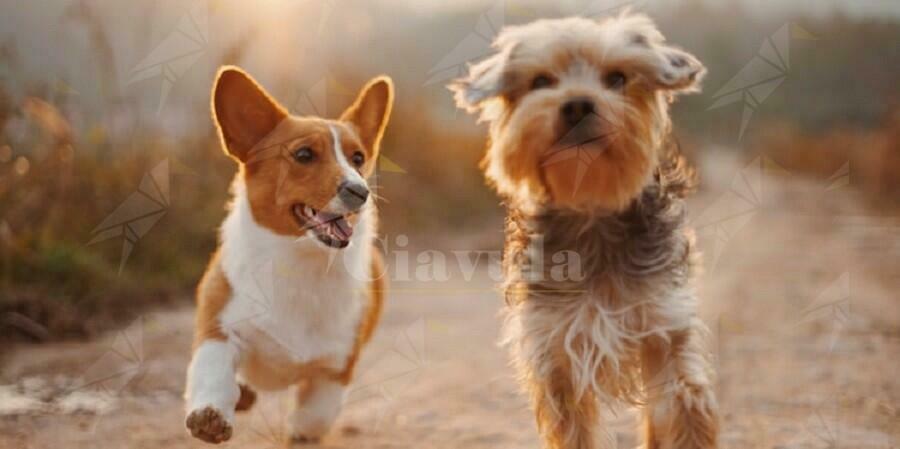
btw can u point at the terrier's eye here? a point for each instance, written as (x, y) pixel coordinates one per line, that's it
(615, 79)
(304, 155)
(358, 159)
(541, 81)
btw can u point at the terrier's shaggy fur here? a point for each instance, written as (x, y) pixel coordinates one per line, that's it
(580, 151)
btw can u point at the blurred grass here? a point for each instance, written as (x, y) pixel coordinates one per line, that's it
(53, 196)
(50, 204)
(62, 172)
(871, 155)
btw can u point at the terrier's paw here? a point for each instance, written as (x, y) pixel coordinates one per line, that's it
(208, 424)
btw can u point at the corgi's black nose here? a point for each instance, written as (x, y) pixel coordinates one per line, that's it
(575, 110)
(353, 194)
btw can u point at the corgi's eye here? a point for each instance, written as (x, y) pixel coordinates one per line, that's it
(541, 81)
(304, 155)
(358, 159)
(615, 79)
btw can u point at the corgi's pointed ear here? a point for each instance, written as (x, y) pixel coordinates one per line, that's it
(242, 110)
(371, 111)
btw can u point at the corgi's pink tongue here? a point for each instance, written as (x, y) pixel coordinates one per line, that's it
(336, 225)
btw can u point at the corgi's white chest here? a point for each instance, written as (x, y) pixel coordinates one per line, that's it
(293, 300)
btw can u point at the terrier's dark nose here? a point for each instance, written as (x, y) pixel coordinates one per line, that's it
(575, 110)
(353, 194)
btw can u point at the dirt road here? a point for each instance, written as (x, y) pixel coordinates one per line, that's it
(800, 293)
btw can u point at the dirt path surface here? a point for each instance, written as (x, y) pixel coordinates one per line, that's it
(800, 294)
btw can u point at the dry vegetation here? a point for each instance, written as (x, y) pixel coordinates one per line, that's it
(62, 170)
(871, 154)
(55, 284)
(788, 367)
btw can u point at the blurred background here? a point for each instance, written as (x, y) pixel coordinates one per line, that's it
(113, 185)
(101, 101)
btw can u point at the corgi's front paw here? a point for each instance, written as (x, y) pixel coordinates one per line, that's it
(317, 410)
(208, 424)
(304, 427)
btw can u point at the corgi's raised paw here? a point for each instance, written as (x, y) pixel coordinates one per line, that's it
(208, 424)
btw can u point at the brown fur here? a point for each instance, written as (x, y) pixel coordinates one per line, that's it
(260, 369)
(643, 252)
(212, 295)
(606, 188)
(372, 315)
(261, 136)
(257, 131)
(243, 112)
(270, 374)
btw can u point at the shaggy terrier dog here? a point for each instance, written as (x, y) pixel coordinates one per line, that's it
(580, 151)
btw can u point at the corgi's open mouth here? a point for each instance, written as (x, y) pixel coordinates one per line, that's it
(330, 228)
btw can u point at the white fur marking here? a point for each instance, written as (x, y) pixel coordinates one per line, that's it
(211, 378)
(350, 173)
(293, 300)
(315, 417)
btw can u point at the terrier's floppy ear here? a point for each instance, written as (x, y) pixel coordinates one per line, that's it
(663, 66)
(242, 110)
(371, 111)
(674, 70)
(484, 81)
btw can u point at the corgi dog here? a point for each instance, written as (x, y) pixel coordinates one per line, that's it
(295, 289)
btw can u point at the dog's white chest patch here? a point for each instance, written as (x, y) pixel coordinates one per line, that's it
(293, 300)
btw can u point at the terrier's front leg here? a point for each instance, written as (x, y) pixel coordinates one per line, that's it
(318, 403)
(681, 411)
(212, 391)
(566, 417)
